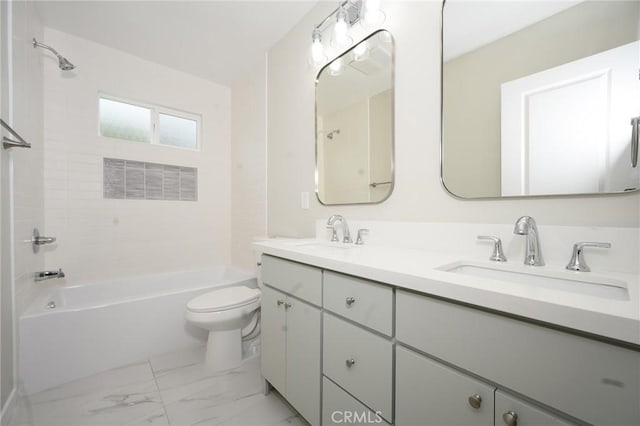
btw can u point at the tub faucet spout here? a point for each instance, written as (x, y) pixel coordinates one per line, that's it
(47, 275)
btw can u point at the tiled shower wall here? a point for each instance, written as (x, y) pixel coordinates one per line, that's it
(101, 238)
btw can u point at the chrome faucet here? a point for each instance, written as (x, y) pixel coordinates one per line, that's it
(47, 275)
(526, 226)
(345, 228)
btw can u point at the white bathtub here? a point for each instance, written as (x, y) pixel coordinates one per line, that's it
(99, 326)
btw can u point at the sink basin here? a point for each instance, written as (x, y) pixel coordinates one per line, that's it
(568, 282)
(325, 245)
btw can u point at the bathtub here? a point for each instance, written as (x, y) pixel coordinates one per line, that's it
(99, 326)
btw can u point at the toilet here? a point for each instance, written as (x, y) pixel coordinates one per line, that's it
(224, 313)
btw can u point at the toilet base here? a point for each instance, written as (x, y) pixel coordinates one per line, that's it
(224, 350)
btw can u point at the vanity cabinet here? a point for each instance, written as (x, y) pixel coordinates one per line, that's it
(291, 339)
(357, 345)
(386, 355)
(428, 392)
(339, 408)
(593, 381)
(511, 411)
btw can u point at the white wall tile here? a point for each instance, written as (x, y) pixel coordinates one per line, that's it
(104, 238)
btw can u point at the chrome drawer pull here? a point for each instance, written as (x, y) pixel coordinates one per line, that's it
(351, 301)
(350, 362)
(280, 302)
(287, 305)
(475, 401)
(510, 418)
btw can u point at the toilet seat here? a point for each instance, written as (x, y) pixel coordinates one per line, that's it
(224, 299)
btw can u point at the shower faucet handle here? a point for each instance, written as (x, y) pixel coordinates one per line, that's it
(498, 254)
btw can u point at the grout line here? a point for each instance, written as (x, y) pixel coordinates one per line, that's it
(155, 380)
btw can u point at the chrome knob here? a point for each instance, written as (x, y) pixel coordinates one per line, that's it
(350, 362)
(351, 300)
(475, 401)
(510, 418)
(287, 305)
(280, 302)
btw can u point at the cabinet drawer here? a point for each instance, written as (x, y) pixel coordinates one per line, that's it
(369, 379)
(590, 380)
(524, 414)
(339, 408)
(365, 302)
(428, 392)
(299, 280)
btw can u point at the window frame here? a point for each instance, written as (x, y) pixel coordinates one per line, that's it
(156, 110)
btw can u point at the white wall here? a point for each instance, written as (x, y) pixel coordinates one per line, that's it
(418, 194)
(248, 162)
(105, 238)
(22, 94)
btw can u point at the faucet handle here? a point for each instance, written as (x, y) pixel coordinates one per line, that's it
(334, 233)
(577, 262)
(361, 232)
(498, 254)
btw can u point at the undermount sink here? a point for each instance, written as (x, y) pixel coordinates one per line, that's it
(325, 245)
(586, 285)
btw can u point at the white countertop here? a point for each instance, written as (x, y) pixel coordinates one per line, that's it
(417, 270)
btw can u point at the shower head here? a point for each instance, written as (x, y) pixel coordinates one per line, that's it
(63, 63)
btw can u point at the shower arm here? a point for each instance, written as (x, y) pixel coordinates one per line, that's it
(36, 43)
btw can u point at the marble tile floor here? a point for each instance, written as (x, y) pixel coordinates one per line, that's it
(167, 390)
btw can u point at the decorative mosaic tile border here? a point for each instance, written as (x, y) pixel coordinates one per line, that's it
(136, 180)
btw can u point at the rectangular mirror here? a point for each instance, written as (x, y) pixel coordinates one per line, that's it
(354, 124)
(540, 97)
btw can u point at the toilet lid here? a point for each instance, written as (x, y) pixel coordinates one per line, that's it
(223, 299)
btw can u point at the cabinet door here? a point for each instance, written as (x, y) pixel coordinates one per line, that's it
(274, 338)
(429, 393)
(303, 359)
(511, 411)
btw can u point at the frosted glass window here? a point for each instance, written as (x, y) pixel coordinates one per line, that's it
(178, 131)
(148, 123)
(125, 121)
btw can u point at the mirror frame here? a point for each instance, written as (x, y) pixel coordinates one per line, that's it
(393, 121)
(508, 197)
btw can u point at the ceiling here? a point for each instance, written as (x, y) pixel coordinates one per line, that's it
(470, 24)
(215, 40)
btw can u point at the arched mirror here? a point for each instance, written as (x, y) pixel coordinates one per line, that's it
(540, 97)
(354, 124)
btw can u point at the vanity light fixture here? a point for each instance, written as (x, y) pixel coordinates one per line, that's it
(372, 11)
(341, 27)
(348, 12)
(317, 50)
